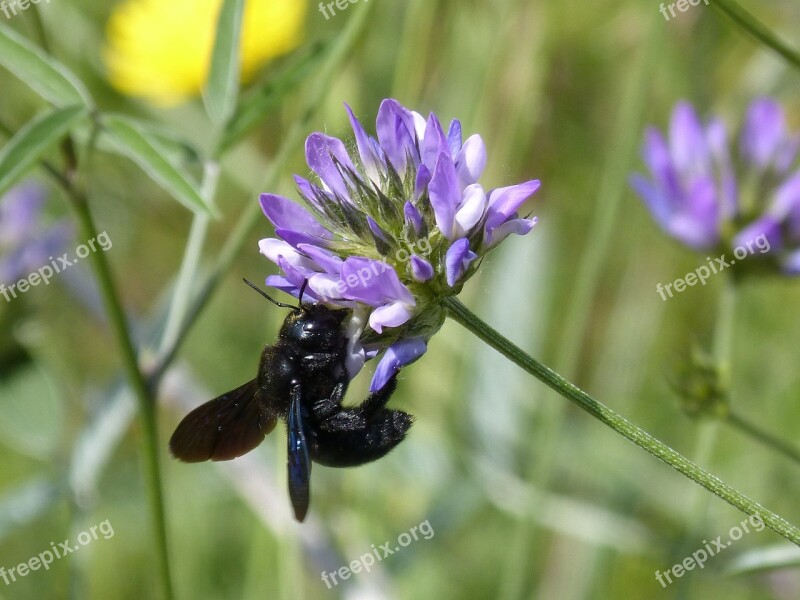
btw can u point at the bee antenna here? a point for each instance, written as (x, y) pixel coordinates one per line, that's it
(268, 297)
(302, 291)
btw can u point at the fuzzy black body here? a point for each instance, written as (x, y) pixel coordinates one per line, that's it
(302, 380)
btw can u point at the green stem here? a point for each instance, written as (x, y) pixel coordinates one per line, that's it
(756, 29)
(754, 431)
(191, 260)
(708, 429)
(641, 438)
(147, 406)
(612, 187)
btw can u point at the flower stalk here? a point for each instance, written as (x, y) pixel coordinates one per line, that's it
(137, 381)
(462, 315)
(762, 436)
(757, 30)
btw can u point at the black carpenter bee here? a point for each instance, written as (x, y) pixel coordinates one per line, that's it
(301, 380)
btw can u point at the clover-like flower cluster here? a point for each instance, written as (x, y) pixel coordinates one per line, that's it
(395, 225)
(708, 195)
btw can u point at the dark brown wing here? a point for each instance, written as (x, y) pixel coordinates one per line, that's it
(225, 427)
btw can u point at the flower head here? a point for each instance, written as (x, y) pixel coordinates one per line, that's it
(160, 51)
(394, 225)
(26, 244)
(707, 193)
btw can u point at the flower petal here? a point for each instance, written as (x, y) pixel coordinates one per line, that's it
(313, 194)
(435, 142)
(275, 249)
(697, 223)
(398, 355)
(472, 208)
(367, 147)
(471, 161)
(764, 232)
(422, 181)
(504, 202)
(654, 198)
(517, 226)
(322, 154)
(413, 217)
(373, 282)
(286, 214)
(327, 260)
(393, 314)
(444, 194)
(454, 138)
(396, 134)
(298, 276)
(421, 269)
(763, 132)
(687, 142)
(457, 259)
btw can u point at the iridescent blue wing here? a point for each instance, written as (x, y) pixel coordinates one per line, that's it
(298, 461)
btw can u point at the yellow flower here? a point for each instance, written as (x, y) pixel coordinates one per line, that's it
(160, 49)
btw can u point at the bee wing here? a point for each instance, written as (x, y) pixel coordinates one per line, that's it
(298, 461)
(226, 427)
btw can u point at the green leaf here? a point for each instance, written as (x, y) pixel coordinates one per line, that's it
(141, 147)
(48, 78)
(32, 141)
(258, 105)
(176, 149)
(222, 87)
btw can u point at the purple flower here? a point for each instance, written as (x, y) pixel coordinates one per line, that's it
(708, 195)
(395, 223)
(26, 243)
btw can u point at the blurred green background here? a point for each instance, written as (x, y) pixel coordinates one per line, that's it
(528, 497)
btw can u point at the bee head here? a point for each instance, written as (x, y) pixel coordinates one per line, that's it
(313, 327)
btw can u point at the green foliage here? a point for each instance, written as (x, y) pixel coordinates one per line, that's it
(527, 498)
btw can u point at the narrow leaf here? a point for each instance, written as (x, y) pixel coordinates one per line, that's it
(258, 105)
(138, 145)
(48, 78)
(32, 141)
(222, 87)
(756, 29)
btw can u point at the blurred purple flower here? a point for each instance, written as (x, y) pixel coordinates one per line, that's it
(394, 226)
(26, 243)
(707, 195)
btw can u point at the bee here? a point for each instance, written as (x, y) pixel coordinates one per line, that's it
(302, 381)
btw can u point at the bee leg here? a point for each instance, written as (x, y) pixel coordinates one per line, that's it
(377, 400)
(327, 407)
